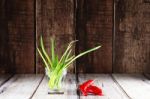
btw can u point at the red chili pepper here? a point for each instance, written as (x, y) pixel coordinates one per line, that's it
(84, 86)
(94, 90)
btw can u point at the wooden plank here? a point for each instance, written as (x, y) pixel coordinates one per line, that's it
(4, 78)
(55, 18)
(70, 89)
(94, 27)
(110, 89)
(135, 85)
(4, 48)
(17, 36)
(20, 86)
(132, 36)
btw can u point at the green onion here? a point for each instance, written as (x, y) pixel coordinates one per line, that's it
(55, 65)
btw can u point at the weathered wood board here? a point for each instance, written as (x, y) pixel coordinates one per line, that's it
(135, 85)
(132, 36)
(94, 27)
(20, 87)
(3, 39)
(69, 87)
(22, 22)
(116, 86)
(110, 89)
(54, 18)
(17, 36)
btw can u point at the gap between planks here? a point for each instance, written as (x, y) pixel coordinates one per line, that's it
(4, 78)
(70, 89)
(37, 87)
(120, 87)
(110, 88)
(135, 85)
(20, 86)
(116, 86)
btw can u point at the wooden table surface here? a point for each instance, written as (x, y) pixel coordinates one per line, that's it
(115, 86)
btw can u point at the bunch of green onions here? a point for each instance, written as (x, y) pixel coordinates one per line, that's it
(55, 65)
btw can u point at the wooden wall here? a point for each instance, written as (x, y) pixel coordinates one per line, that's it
(94, 27)
(17, 36)
(132, 36)
(122, 27)
(54, 18)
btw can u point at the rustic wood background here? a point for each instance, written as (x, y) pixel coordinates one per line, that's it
(94, 27)
(17, 36)
(122, 27)
(54, 18)
(132, 36)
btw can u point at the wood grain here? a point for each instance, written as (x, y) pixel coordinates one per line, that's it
(116, 86)
(110, 89)
(89, 21)
(54, 18)
(94, 27)
(132, 36)
(20, 87)
(5, 60)
(69, 87)
(134, 85)
(17, 36)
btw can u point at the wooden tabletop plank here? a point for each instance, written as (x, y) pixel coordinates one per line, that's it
(4, 78)
(20, 86)
(110, 89)
(70, 89)
(135, 85)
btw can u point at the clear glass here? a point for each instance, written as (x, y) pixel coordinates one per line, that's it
(57, 87)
